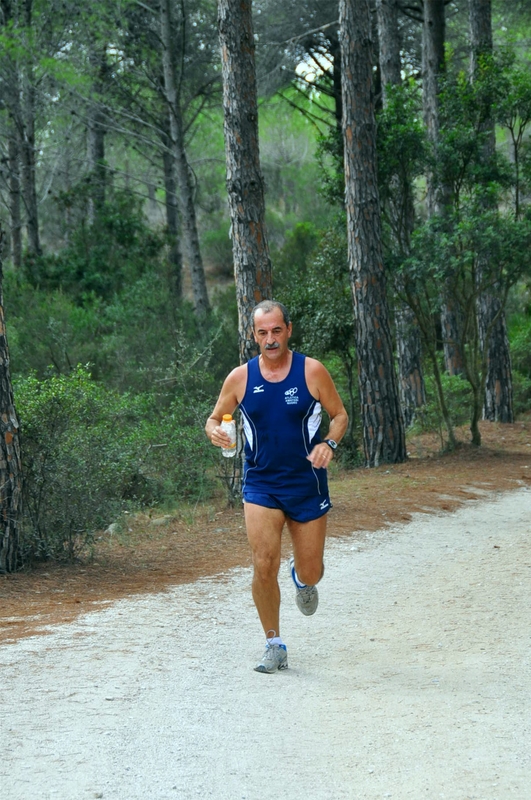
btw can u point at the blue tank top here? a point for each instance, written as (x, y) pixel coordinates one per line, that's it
(281, 424)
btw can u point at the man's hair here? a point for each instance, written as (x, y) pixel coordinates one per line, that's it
(268, 305)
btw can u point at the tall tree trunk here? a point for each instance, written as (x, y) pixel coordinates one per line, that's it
(10, 462)
(11, 84)
(409, 355)
(498, 401)
(28, 168)
(27, 107)
(389, 40)
(172, 221)
(451, 323)
(189, 225)
(96, 131)
(408, 340)
(480, 21)
(383, 426)
(335, 52)
(245, 184)
(182, 168)
(433, 67)
(438, 199)
(14, 193)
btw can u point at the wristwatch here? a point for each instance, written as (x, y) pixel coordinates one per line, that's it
(331, 444)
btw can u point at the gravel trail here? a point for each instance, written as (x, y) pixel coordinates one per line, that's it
(412, 680)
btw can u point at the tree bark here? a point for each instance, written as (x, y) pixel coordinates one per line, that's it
(172, 221)
(20, 94)
(96, 131)
(410, 371)
(480, 21)
(189, 226)
(335, 53)
(182, 168)
(433, 56)
(389, 40)
(245, 184)
(451, 324)
(438, 196)
(11, 80)
(408, 340)
(27, 107)
(28, 170)
(382, 421)
(10, 461)
(15, 194)
(498, 400)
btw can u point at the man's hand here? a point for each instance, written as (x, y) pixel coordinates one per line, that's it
(220, 438)
(321, 456)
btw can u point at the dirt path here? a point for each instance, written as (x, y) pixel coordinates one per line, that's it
(412, 680)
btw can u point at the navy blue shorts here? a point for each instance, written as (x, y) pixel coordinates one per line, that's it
(299, 509)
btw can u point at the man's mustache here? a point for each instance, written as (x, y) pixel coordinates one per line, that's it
(273, 346)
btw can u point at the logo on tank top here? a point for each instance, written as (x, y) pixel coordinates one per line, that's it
(258, 389)
(291, 396)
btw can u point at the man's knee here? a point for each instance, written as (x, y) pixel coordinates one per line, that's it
(310, 573)
(266, 565)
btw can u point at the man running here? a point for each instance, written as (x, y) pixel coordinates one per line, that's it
(280, 394)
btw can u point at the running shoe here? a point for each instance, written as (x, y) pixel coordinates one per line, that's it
(274, 658)
(306, 597)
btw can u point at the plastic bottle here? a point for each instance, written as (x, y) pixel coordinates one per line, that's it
(229, 426)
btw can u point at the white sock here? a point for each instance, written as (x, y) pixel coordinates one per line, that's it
(298, 582)
(276, 640)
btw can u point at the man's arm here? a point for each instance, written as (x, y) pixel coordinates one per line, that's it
(322, 387)
(230, 396)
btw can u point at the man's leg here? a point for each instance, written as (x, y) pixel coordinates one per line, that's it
(308, 548)
(264, 531)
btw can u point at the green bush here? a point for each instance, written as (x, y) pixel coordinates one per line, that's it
(131, 342)
(116, 249)
(73, 471)
(521, 393)
(520, 337)
(89, 453)
(217, 251)
(458, 397)
(48, 331)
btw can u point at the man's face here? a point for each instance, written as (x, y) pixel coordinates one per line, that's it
(271, 333)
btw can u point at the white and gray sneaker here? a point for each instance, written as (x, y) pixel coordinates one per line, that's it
(306, 597)
(274, 658)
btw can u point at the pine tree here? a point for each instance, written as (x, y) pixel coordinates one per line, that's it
(383, 426)
(245, 185)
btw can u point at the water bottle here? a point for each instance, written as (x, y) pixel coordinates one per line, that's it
(229, 426)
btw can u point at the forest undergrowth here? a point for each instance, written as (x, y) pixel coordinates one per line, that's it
(160, 550)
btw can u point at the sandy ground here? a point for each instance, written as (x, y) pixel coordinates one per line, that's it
(411, 681)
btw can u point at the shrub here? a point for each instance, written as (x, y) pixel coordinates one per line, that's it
(217, 251)
(88, 453)
(457, 394)
(118, 248)
(521, 393)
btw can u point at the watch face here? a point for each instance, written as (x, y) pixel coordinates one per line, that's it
(331, 443)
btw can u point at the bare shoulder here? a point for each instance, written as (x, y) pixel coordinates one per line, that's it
(236, 382)
(231, 395)
(316, 373)
(237, 375)
(322, 387)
